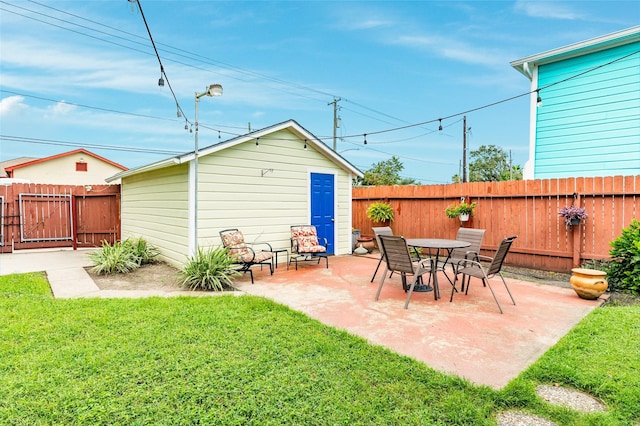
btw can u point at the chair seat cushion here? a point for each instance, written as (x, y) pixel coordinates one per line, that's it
(261, 256)
(311, 249)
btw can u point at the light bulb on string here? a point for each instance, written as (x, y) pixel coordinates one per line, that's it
(257, 142)
(440, 126)
(538, 99)
(305, 144)
(365, 138)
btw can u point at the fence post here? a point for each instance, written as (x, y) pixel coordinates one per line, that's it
(577, 255)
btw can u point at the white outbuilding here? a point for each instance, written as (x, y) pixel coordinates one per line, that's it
(261, 183)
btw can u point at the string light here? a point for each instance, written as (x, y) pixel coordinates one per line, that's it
(305, 144)
(365, 138)
(440, 126)
(538, 99)
(257, 142)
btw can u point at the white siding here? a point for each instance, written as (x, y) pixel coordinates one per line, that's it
(264, 190)
(154, 206)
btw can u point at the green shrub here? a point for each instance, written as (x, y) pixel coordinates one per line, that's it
(113, 259)
(211, 269)
(623, 273)
(123, 257)
(143, 252)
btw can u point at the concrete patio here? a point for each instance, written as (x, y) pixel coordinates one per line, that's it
(468, 337)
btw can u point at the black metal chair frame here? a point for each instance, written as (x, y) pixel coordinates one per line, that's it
(247, 264)
(301, 256)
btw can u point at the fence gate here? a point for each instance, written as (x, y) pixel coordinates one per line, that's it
(49, 216)
(45, 217)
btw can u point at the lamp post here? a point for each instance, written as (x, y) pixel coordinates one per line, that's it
(212, 90)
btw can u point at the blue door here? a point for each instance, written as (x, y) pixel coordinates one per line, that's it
(322, 205)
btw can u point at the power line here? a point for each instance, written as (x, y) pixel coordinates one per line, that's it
(86, 145)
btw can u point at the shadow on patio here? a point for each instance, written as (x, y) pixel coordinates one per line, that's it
(468, 338)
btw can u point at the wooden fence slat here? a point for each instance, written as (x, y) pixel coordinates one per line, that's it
(528, 209)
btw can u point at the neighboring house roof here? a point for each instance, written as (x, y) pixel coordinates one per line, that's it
(10, 169)
(290, 125)
(619, 38)
(15, 161)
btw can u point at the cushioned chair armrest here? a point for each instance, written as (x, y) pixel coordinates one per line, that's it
(253, 253)
(268, 246)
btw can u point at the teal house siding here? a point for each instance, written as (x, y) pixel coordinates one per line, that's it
(588, 123)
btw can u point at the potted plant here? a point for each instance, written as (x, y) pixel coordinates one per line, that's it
(572, 215)
(380, 212)
(462, 210)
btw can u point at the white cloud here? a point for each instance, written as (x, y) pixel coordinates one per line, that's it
(12, 104)
(453, 49)
(61, 108)
(547, 9)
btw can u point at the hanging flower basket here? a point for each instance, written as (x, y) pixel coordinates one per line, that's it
(573, 215)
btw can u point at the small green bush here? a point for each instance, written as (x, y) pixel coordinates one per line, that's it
(211, 269)
(123, 257)
(143, 252)
(623, 273)
(113, 259)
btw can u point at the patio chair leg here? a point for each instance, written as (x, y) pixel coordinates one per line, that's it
(413, 284)
(376, 271)
(507, 287)
(381, 282)
(494, 295)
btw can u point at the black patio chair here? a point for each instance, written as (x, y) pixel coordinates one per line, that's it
(244, 254)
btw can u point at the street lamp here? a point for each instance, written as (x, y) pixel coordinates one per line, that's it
(212, 90)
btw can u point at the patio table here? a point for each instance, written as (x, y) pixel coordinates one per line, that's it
(437, 244)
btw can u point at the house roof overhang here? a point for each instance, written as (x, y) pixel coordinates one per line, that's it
(619, 38)
(10, 169)
(290, 125)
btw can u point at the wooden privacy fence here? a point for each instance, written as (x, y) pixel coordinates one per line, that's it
(48, 216)
(528, 209)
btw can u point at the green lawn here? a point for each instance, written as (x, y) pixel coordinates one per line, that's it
(246, 360)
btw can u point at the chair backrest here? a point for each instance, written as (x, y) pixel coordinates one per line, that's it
(303, 237)
(501, 254)
(234, 241)
(470, 235)
(382, 230)
(396, 253)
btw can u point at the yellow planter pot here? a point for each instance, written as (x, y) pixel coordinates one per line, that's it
(588, 283)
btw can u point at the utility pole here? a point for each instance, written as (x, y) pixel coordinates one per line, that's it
(335, 122)
(464, 149)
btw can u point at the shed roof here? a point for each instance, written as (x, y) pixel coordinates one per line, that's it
(619, 38)
(290, 125)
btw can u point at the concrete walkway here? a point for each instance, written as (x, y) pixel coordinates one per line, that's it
(64, 269)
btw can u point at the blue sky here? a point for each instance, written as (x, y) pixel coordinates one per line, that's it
(84, 74)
